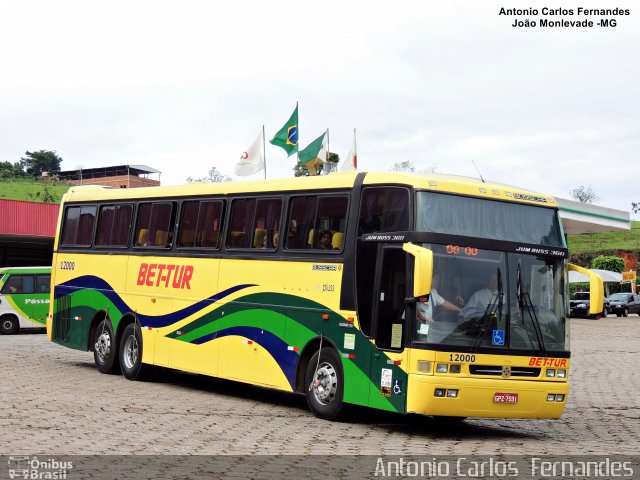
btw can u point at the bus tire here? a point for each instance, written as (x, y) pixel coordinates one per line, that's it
(105, 348)
(131, 354)
(9, 325)
(324, 384)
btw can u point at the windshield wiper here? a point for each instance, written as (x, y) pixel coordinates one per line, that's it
(525, 303)
(490, 313)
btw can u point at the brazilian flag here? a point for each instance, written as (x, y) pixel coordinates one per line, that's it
(287, 136)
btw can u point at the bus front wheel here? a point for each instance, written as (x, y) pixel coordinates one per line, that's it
(9, 325)
(324, 384)
(105, 348)
(131, 354)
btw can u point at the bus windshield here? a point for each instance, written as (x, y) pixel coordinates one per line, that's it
(484, 298)
(475, 217)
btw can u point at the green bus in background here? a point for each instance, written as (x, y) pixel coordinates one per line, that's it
(24, 298)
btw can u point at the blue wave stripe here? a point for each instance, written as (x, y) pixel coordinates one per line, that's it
(92, 282)
(277, 348)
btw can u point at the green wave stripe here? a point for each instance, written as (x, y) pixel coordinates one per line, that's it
(296, 320)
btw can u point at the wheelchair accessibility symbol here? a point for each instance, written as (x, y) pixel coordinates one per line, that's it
(397, 387)
(497, 338)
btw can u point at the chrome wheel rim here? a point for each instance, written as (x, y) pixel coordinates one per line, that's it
(103, 345)
(325, 384)
(131, 351)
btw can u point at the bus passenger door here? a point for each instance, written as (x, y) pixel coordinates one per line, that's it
(388, 379)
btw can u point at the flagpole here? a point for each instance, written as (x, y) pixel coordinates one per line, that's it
(326, 160)
(298, 138)
(264, 153)
(355, 151)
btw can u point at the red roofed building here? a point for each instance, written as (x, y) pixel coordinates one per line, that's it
(27, 230)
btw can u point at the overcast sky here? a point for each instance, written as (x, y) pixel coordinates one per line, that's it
(182, 86)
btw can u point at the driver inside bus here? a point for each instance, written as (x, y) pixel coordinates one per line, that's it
(424, 310)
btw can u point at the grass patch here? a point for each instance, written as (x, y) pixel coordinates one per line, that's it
(620, 240)
(28, 189)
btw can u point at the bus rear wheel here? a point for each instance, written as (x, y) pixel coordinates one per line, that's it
(131, 354)
(105, 348)
(324, 384)
(9, 325)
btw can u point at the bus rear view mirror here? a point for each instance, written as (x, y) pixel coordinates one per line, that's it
(422, 269)
(596, 289)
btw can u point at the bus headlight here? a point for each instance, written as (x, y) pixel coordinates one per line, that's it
(551, 372)
(442, 368)
(562, 373)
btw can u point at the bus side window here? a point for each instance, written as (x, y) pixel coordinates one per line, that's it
(330, 219)
(384, 209)
(310, 217)
(19, 284)
(12, 285)
(114, 225)
(77, 228)
(43, 283)
(267, 221)
(157, 220)
(200, 225)
(302, 212)
(242, 214)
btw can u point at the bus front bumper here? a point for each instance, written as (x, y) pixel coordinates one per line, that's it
(485, 397)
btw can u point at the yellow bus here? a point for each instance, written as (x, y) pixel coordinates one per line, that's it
(435, 295)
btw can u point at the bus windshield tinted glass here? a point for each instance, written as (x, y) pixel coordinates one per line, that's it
(483, 298)
(475, 217)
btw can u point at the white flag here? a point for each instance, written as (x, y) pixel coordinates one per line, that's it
(251, 160)
(350, 163)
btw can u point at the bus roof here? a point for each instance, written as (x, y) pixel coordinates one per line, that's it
(433, 182)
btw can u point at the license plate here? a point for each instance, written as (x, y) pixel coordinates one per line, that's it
(505, 398)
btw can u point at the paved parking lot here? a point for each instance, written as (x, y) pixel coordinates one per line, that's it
(54, 401)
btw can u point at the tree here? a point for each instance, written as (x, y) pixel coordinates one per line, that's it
(406, 166)
(214, 176)
(611, 263)
(11, 170)
(584, 194)
(34, 163)
(299, 170)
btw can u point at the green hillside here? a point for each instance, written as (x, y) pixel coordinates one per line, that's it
(595, 242)
(32, 190)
